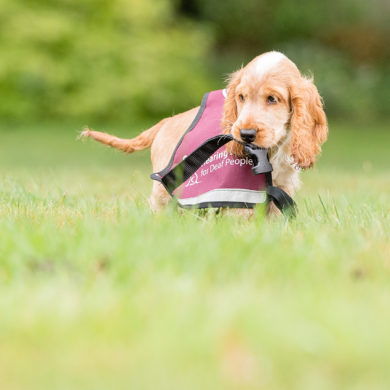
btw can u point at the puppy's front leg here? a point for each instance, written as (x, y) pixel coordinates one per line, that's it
(272, 210)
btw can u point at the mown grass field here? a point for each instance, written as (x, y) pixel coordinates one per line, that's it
(96, 292)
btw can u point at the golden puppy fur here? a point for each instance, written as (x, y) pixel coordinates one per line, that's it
(268, 95)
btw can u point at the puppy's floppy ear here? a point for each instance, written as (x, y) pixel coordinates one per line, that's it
(230, 106)
(229, 116)
(309, 129)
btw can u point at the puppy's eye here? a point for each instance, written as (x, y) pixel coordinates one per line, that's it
(241, 97)
(271, 100)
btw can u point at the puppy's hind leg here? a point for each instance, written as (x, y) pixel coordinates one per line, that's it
(159, 198)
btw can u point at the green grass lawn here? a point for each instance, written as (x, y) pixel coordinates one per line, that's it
(96, 292)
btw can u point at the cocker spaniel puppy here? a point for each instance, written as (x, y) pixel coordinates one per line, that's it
(269, 103)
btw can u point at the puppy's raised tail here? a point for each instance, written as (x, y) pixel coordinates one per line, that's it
(141, 142)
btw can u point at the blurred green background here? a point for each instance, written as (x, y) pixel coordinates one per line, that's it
(100, 61)
(96, 292)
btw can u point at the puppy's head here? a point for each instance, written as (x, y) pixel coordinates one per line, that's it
(267, 101)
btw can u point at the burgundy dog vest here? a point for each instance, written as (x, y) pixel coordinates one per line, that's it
(201, 172)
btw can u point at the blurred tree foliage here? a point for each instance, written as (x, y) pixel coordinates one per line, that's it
(344, 43)
(119, 59)
(98, 59)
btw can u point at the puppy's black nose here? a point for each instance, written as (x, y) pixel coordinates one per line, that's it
(248, 135)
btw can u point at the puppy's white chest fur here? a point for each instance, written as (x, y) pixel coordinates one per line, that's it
(284, 174)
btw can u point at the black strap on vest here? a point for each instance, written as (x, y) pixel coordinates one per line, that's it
(282, 200)
(186, 168)
(261, 164)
